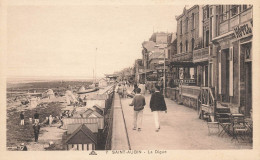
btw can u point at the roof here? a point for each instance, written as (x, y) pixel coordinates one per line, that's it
(174, 36)
(98, 109)
(83, 128)
(72, 127)
(149, 45)
(156, 55)
(90, 112)
(186, 9)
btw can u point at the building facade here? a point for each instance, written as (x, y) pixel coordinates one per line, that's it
(233, 49)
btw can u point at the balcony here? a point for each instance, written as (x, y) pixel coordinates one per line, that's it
(201, 55)
(229, 24)
(181, 57)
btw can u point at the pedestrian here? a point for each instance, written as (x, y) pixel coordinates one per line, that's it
(22, 118)
(36, 117)
(157, 105)
(61, 121)
(120, 90)
(36, 129)
(135, 88)
(142, 87)
(50, 120)
(124, 91)
(138, 103)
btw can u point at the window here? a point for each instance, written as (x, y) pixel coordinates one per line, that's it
(234, 10)
(192, 73)
(192, 44)
(186, 47)
(187, 24)
(244, 7)
(180, 27)
(193, 21)
(180, 47)
(207, 38)
(224, 13)
(207, 12)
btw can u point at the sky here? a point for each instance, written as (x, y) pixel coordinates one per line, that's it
(69, 40)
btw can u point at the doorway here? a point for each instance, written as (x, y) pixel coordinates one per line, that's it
(248, 107)
(225, 75)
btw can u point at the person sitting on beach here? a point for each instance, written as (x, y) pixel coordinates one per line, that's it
(23, 147)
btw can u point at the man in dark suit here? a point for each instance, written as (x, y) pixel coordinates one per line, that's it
(36, 129)
(157, 105)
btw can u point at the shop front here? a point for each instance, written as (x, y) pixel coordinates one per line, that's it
(234, 58)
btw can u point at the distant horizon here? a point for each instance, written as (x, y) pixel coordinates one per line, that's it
(27, 79)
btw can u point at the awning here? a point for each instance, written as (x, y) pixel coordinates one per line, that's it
(182, 63)
(147, 71)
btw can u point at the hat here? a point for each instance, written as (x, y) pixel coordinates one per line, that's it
(22, 144)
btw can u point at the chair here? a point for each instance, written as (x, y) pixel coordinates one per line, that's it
(223, 117)
(239, 127)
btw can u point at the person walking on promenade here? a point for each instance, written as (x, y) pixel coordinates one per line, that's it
(36, 129)
(138, 103)
(124, 91)
(36, 117)
(142, 87)
(157, 105)
(120, 90)
(135, 88)
(22, 118)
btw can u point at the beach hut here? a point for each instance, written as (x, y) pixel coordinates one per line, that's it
(82, 139)
(87, 116)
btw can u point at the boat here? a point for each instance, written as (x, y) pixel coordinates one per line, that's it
(88, 90)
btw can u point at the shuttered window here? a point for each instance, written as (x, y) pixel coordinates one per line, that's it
(219, 73)
(231, 71)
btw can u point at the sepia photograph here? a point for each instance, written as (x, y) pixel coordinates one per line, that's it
(121, 79)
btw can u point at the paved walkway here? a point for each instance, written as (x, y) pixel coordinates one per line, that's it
(180, 129)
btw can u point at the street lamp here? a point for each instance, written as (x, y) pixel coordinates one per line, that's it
(164, 77)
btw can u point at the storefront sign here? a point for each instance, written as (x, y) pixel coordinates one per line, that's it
(243, 30)
(177, 81)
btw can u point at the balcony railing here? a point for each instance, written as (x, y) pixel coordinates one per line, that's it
(187, 56)
(229, 24)
(201, 55)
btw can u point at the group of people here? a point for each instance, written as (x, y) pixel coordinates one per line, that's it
(157, 105)
(36, 125)
(122, 91)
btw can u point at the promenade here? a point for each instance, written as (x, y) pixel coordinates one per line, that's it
(180, 129)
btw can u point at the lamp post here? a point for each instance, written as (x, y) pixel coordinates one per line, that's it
(164, 69)
(164, 77)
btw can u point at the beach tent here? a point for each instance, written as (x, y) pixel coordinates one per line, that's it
(70, 97)
(50, 93)
(102, 83)
(33, 102)
(82, 89)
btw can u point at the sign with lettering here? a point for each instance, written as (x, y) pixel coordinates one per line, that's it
(177, 81)
(243, 30)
